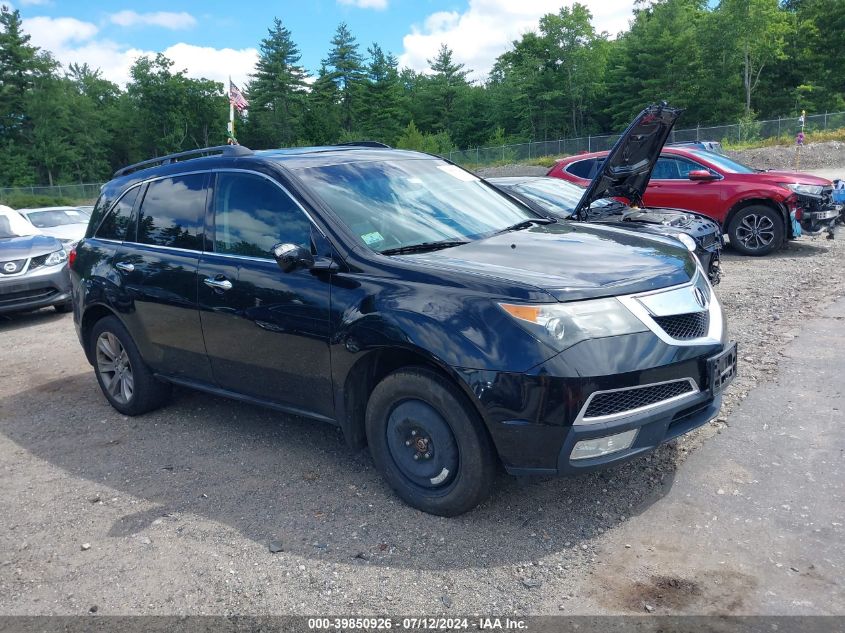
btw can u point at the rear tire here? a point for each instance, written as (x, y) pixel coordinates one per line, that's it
(429, 443)
(756, 230)
(126, 381)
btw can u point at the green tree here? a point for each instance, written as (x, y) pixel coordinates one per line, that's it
(276, 92)
(346, 69)
(443, 88)
(380, 112)
(21, 66)
(756, 29)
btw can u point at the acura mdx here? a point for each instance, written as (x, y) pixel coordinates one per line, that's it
(433, 318)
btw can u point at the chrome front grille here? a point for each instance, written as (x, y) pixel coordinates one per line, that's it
(685, 326)
(617, 403)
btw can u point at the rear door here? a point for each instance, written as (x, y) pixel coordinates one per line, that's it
(266, 331)
(157, 266)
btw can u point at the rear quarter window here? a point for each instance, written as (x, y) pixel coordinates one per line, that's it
(116, 222)
(582, 168)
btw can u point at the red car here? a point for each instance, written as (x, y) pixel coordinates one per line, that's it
(755, 208)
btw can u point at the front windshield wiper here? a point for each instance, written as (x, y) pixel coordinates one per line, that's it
(526, 224)
(423, 247)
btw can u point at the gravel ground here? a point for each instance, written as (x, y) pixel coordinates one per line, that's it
(811, 157)
(173, 512)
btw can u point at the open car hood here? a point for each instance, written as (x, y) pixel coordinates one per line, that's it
(627, 169)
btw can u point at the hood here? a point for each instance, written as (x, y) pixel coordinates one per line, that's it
(792, 177)
(63, 232)
(27, 246)
(627, 169)
(551, 257)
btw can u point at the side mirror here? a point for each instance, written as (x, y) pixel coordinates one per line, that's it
(289, 257)
(701, 175)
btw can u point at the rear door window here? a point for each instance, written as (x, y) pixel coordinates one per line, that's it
(115, 224)
(172, 212)
(251, 215)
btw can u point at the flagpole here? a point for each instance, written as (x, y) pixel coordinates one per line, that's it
(231, 114)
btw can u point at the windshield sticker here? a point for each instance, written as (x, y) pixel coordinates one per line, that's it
(73, 214)
(457, 172)
(372, 238)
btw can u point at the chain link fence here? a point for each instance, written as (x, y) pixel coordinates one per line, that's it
(86, 192)
(742, 132)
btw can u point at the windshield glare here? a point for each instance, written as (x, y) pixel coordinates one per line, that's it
(727, 164)
(56, 217)
(403, 203)
(12, 224)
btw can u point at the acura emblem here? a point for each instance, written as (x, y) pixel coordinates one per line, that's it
(10, 267)
(700, 298)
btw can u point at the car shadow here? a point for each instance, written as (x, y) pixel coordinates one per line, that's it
(12, 321)
(271, 476)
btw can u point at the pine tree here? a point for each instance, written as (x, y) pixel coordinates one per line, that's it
(276, 92)
(21, 66)
(380, 111)
(447, 82)
(346, 69)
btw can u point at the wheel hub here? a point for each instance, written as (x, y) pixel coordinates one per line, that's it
(421, 444)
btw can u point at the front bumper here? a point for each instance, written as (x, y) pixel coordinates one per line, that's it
(39, 288)
(651, 382)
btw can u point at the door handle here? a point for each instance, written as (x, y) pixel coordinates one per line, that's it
(217, 284)
(125, 267)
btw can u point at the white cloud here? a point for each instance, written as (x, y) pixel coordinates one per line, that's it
(54, 33)
(36, 3)
(379, 5)
(164, 19)
(71, 40)
(487, 28)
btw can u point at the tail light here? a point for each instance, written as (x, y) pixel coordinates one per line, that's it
(71, 257)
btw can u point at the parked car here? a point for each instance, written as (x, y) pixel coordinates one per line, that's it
(557, 198)
(67, 224)
(404, 299)
(755, 208)
(33, 267)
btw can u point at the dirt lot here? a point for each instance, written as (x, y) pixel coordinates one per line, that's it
(172, 512)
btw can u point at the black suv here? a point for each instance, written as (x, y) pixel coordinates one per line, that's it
(402, 298)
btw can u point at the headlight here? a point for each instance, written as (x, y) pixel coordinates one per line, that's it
(56, 257)
(562, 325)
(687, 241)
(813, 190)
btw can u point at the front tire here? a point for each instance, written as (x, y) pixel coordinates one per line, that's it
(126, 381)
(63, 308)
(756, 230)
(429, 443)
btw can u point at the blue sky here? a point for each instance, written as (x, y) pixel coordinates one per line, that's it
(216, 39)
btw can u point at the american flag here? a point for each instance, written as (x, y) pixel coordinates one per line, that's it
(236, 97)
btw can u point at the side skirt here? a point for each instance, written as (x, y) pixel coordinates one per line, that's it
(233, 395)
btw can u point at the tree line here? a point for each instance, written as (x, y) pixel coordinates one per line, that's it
(723, 62)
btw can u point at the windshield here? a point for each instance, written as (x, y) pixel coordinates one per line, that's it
(13, 224)
(396, 204)
(555, 195)
(726, 164)
(56, 217)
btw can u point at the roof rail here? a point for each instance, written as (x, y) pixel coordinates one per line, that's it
(363, 144)
(225, 150)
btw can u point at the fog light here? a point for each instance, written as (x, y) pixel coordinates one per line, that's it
(598, 446)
